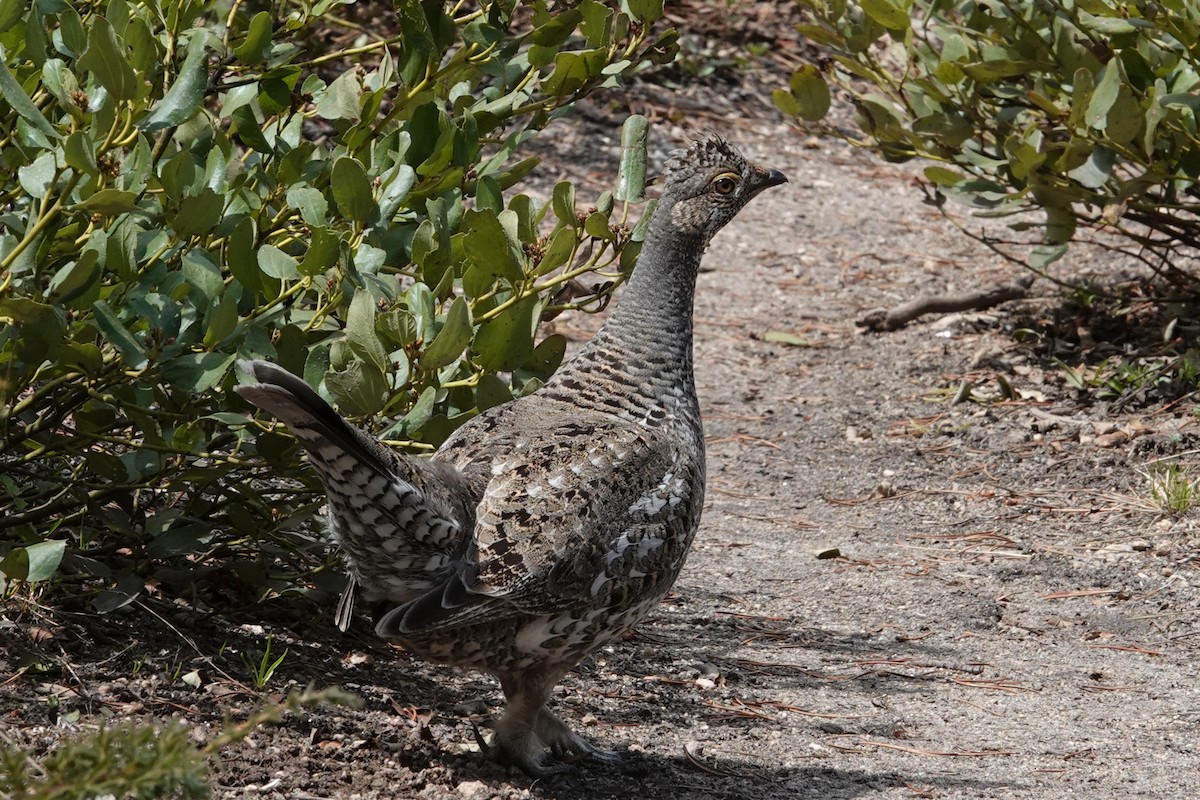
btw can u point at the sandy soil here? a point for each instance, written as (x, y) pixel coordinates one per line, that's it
(891, 596)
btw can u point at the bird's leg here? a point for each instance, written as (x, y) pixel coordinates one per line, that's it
(516, 732)
(563, 741)
(531, 736)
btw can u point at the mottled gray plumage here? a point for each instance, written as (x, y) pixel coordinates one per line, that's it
(544, 528)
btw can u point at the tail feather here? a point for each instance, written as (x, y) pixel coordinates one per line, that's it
(294, 403)
(397, 518)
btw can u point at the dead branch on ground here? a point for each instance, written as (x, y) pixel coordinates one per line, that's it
(901, 315)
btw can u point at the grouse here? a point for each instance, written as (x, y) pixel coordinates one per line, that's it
(546, 527)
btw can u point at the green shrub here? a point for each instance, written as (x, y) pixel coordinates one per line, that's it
(1082, 109)
(142, 760)
(128, 760)
(189, 183)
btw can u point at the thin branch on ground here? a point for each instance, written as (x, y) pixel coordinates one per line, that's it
(901, 315)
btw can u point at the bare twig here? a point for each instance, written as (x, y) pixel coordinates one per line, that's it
(901, 315)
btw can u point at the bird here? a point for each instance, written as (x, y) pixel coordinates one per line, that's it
(546, 527)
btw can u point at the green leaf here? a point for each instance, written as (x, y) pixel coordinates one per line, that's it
(253, 48)
(418, 49)
(1106, 26)
(631, 176)
(557, 29)
(989, 71)
(324, 247)
(396, 183)
(75, 277)
(36, 177)
(596, 25)
(638, 234)
(488, 195)
(145, 52)
(311, 203)
(505, 342)
(784, 337)
(352, 190)
(249, 130)
(563, 200)
(222, 321)
(1060, 225)
(487, 246)
(275, 89)
(949, 129)
(1043, 256)
(889, 14)
(1105, 95)
(419, 415)
(201, 272)
(558, 251)
(359, 389)
(118, 336)
(368, 259)
(360, 330)
(811, 92)
(61, 82)
(786, 102)
(940, 176)
(179, 176)
(197, 372)
(41, 328)
(1083, 84)
(1125, 119)
(342, 99)
(186, 94)
(452, 339)
(545, 358)
(11, 12)
(105, 58)
(277, 264)
(35, 562)
(597, 226)
(491, 392)
(241, 258)
(199, 213)
(423, 309)
(44, 558)
(573, 71)
(79, 153)
(645, 10)
(16, 97)
(127, 589)
(1096, 171)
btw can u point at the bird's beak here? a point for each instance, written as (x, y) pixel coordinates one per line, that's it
(774, 178)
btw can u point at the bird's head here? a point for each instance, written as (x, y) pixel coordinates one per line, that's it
(709, 182)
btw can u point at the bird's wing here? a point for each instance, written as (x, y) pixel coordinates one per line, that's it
(575, 512)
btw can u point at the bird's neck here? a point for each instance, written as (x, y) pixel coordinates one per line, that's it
(655, 310)
(647, 341)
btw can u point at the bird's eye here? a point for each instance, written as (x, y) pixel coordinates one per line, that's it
(724, 185)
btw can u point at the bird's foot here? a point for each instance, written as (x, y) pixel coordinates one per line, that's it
(568, 746)
(551, 748)
(525, 751)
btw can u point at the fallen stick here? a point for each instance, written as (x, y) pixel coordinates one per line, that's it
(901, 315)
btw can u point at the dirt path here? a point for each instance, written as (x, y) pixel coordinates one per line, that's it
(1008, 615)
(1011, 616)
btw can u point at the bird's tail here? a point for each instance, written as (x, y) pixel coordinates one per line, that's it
(315, 423)
(393, 515)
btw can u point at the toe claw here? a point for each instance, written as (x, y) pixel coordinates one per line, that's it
(544, 767)
(611, 757)
(484, 745)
